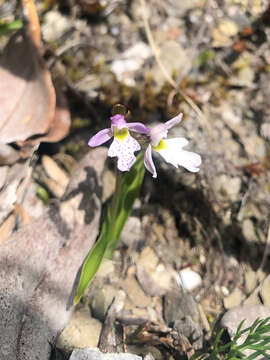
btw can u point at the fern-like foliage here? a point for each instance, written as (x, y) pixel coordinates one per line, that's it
(257, 338)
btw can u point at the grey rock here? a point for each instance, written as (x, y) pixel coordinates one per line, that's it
(149, 357)
(111, 335)
(132, 232)
(95, 354)
(177, 305)
(39, 263)
(251, 280)
(149, 285)
(32, 204)
(191, 330)
(265, 291)
(134, 292)
(81, 332)
(234, 299)
(173, 56)
(181, 312)
(154, 277)
(228, 187)
(146, 350)
(101, 300)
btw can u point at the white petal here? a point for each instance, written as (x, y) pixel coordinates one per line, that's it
(176, 143)
(175, 155)
(148, 161)
(124, 150)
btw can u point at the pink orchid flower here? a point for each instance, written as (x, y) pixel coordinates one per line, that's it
(170, 149)
(123, 145)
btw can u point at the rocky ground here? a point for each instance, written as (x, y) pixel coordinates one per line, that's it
(196, 245)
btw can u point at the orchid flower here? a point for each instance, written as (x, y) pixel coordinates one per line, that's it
(170, 149)
(123, 145)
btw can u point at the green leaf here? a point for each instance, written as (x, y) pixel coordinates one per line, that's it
(6, 27)
(91, 265)
(130, 187)
(126, 191)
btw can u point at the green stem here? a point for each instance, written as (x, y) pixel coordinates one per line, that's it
(113, 214)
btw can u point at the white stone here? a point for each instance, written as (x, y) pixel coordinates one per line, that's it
(189, 279)
(129, 62)
(54, 26)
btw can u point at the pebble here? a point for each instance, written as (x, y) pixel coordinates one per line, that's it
(253, 298)
(129, 62)
(57, 176)
(32, 204)
(189, 279)
(265, 291)
(228, 187)
(178, 304)
(106, 268)
(108, 181)
(146, 350)
(174, 57)
(191, 330)
(135, 292)
(234, 299)
(154, 278)
(101, 299)
(250, 280)
(228, 27)
(54, 25)
(149, 286)
(81, 332)
(132, 232)
(249, 231)
(95, 354)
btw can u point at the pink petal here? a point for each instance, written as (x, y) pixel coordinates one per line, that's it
(157, 133)
(138, 127)
(124, 150)
(100, 138)
(148, 161)
(174, 121)
(118, 121)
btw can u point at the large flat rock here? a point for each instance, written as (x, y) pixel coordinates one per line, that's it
(39, 264)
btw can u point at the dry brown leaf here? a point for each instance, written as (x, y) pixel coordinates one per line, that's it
(8, 194)
(33, 26)
(7, 227)
(27, 96)
(60, 124)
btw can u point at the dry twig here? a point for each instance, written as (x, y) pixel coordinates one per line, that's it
(168, 77)
(30, 13)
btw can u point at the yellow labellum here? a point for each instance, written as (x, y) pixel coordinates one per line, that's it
(121, 134)
(161, 146)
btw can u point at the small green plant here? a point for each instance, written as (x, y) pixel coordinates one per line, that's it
(257, 339)
(204, 57)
